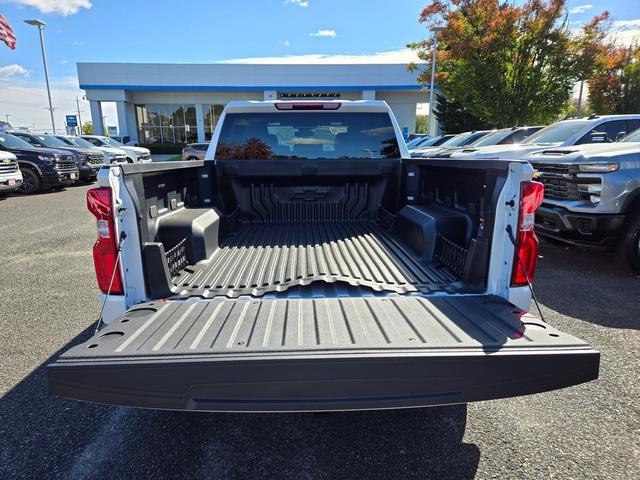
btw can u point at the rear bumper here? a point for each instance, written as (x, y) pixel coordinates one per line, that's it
(320, 354)
(581, 229)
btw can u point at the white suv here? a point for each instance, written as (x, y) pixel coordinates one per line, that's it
(591, 129)
(134, 154)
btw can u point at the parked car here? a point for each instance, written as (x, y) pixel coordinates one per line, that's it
(126, 140)
(111, 154)
(503, 136)
(134, 154)
(89, 160)
(591, 129)
(422, 142)
(41, 167)
(460, 140)
(316, 268)
(10, 175)
(194, 151)
(592, 196)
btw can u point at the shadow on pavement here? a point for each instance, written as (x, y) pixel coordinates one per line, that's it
(47, 437)
(599, 291)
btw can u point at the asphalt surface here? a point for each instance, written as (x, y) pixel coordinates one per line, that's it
(48, 301)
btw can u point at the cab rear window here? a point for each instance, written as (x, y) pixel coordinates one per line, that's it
(307, 135)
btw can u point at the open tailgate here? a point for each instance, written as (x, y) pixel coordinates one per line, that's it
(320, 354)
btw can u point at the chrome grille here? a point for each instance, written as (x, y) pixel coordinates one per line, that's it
(9, 167)
(65, 164)
(95, 159)
(558, 182)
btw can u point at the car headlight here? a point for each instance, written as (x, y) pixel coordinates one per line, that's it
(111, 156)
(46, 158)
(599, 167)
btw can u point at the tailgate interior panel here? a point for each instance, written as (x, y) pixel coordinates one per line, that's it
(320, 354)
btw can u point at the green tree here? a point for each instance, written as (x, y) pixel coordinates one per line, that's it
(454, 118)
(87, 128)
(422, 123)
(506, 64)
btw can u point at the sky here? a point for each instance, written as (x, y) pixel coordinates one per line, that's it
(204, 31)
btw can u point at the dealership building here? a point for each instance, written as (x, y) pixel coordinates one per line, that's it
(173, 103)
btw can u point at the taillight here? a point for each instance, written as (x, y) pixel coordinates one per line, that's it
(307, 105)
(105, 250)
(526, 249)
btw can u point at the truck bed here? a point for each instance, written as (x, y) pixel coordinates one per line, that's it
(320, 354)
(260, 258)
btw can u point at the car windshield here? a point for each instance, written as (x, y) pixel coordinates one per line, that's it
(80, 142)
(457, 141)
(307, 135)
(9, 141)
(111, 142)
(417, 141)
(493, 138)
(557, 133)
(632, 137)
(51, 141)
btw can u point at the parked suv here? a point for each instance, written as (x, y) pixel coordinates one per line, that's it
(10, 175)
(578, 131)
(41, 167)
(194, 151)
(134, 154)
(89, 160)
(111, 155)
(592, 196)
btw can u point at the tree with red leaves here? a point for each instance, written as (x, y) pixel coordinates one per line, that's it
(508, 65)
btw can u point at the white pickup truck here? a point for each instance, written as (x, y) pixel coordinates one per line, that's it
(10, 175)
(308, 263)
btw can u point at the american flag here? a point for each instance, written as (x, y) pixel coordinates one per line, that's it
(6, 33)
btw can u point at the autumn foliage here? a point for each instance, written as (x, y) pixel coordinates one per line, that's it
(507, 64)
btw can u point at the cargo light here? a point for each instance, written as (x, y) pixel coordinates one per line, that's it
(526, 244)
(105, 250)
(307, 105)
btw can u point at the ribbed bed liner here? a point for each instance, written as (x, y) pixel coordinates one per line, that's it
(260, 258)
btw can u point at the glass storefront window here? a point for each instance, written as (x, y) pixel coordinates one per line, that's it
(174, 123)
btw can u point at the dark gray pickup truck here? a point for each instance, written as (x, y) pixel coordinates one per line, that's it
(308, 263)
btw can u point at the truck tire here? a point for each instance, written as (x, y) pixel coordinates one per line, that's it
(31, 182)
(628, 249)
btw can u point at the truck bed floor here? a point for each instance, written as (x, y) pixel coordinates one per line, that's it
(260, 258)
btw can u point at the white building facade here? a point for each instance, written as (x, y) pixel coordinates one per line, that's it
(180, 103)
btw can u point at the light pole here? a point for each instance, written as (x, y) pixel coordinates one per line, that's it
(40, 24)
(434, 48)
(7, 117)
(79, 117)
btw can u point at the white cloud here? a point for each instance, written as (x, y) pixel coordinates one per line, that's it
(324, 33)
(286, 43)
(626, 32)
(64, 62)
(580, 8)
(300, 3)
(77, 43)
(9, 71)
(402, 56)
(63, 7)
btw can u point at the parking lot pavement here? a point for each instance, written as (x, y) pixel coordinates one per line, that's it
(49, 300)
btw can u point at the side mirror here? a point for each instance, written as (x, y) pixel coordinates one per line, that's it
(620, 135)
(599, 137)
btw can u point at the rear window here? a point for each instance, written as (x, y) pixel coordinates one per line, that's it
(306, 135)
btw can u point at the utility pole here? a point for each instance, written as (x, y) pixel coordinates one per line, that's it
(7, 117)
(580, 98)
(40, 24)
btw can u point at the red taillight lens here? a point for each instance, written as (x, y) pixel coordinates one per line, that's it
(308, 105)
(105, 250)
(526, 254)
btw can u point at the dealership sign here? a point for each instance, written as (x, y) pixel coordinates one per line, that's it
(72, 121)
